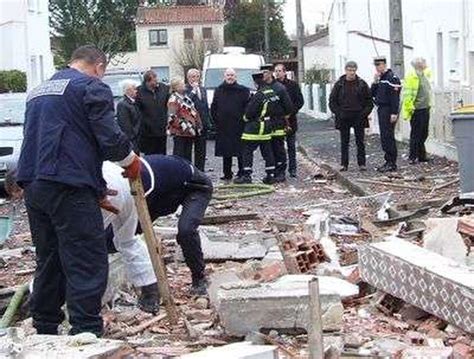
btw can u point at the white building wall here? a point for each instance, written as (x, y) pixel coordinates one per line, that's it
(318, 53)
(165, 56)
(24, 39)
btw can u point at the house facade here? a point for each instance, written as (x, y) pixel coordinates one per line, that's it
(168, 35)
(24, 39)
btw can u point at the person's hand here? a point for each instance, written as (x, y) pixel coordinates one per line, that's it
(393, 118)
(111, 192)
(104, 203)
(376, 77)
(132, 171)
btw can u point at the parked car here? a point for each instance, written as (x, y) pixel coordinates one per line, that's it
(12, 116)
(113, 78)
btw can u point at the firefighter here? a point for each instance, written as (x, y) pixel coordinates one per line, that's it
(279, 121)
(257, 130)
(386, 94)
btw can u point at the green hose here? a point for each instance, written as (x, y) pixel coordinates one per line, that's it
(242, 191)
(13, 306)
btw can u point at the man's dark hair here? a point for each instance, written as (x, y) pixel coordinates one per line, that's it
(282, 65)
(10, 181)
(149, 75)
(90, 54)
(351, 65)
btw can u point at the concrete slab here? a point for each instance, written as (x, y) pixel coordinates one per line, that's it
(55, 347)
(441, 236)
(243, 350)
(434, 283)
(283, 304)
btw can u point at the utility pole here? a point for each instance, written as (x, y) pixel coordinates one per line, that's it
(396, 37)
(266, 24)
(299, 39)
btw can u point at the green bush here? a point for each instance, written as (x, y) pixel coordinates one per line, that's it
(12, 81)
(317, 75)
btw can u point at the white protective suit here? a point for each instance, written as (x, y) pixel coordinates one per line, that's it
(134, 252)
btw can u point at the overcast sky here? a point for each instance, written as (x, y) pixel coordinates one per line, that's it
(314, 12)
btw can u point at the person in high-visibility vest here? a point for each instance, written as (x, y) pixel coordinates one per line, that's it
(416, 105)
(257, 131)
(279, 120)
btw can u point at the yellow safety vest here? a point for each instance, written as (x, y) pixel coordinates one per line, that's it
(411, 84)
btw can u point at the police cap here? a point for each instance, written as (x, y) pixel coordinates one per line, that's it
(380, 59)
(257, 76)
(267, 67)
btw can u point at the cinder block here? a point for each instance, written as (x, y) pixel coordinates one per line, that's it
(422, 278)
(243, 350)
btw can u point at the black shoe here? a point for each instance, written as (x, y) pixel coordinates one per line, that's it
(226, 178)
(412, 162)
(245, 179)
(280, 178)
(343, 169)
(293, 174)
(424, 160)
(149, 300)
(384, 168)
(269, 179)
(392, 168)
(362, 168)
(199, 287)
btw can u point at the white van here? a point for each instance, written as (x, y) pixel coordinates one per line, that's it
(234, 57)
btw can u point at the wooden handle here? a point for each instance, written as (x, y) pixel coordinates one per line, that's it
(153, 243)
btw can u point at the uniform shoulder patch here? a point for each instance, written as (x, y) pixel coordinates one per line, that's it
(48, 88)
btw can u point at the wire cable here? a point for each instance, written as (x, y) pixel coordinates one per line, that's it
(370, 28)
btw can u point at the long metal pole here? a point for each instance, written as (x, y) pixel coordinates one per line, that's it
(396, 37)
(315, 330)
(300, 41)
(266, 24)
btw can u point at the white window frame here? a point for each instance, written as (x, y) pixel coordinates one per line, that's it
(159, 33)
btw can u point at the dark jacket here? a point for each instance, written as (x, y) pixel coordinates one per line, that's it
(153, 109)
(201, 106)
(294, 91)
(280, 117)
(386, 92)
(227, 110)
(338, 97)
(128, 117)
(69, 130)
(264, 106)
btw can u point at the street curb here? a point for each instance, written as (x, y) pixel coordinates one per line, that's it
(342, 179)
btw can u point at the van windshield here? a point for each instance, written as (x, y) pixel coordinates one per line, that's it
(214, 77)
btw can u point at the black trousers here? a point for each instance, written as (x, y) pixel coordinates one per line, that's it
(279, 152)
(359, 131)
(266, 150)
(291, 146)
(194, 207)
(71, 256)
(419, 133)
(183, 147)
(227, 165)
(387, 134)
(153, 145)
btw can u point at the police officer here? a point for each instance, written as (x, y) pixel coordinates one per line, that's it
(258, 129)
(69, 131)
(386, 94)
(279, 121)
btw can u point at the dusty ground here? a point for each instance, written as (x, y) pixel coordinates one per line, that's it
(198, 326)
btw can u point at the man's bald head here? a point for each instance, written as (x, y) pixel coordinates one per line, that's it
(230, 76)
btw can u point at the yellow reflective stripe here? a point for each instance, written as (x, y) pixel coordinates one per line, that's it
(267, 91)
(262, 128)
(252, 137)
(278, 133)
(264, 109)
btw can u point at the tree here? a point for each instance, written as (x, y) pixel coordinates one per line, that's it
(108, 24)
(191, 54)
(245, 27)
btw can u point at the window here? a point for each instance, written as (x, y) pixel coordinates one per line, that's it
(163, 73)
(34, 71)
(189, 34)
(207, 33)
(31, 5)
(41, 68)
(158, 37)
(454, 58)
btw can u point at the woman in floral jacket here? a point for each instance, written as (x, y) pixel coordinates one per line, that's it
(184, 123)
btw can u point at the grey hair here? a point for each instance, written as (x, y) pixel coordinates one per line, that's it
(351, 65)
(174, 83)
(417, 61)
(127, 83)
(193, 71)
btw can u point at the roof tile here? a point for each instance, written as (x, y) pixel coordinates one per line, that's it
(167, 15)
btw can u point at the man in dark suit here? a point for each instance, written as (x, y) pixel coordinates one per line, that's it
(128, 113)
(197, 94)
(152, 100)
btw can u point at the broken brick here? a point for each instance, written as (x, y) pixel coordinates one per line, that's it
(415, 338)
(388, 304)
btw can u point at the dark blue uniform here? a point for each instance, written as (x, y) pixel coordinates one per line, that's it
(386, 95)
(69, 131)
(177, 182)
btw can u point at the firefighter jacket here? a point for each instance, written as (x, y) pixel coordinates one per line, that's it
(279, 117)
